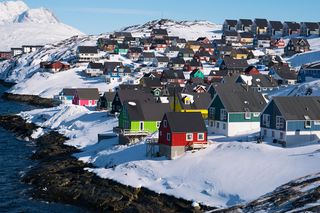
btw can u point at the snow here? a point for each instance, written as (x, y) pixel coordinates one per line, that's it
(9, 10)
(40, 16)
(226, 173)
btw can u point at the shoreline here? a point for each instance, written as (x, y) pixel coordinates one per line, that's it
(60, 177)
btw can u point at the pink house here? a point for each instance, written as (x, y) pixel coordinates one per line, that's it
(86, 97)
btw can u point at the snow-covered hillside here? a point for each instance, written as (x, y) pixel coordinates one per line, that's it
(24, 26)
(189, 30)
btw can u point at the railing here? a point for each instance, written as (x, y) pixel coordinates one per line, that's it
(133, 132)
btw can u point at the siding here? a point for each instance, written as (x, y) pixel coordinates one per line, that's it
(239, 117)
(273, 111)
(299, 125)
(150, 126)
(217, 104)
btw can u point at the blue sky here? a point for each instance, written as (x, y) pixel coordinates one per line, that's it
(97, 16)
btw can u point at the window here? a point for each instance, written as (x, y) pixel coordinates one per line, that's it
(281, 136)
(211, 123)
(212, 112)
(256, 114)
(141, 125)
(247, 115)
(279, 122)
(223, 114)
(189, 136)
(165, 123)
(200, 136)
(266, 120)
(218, 125)
(316, 122)
(168, 137)
(158, 124)
(307, 124)
(273, 134)
(224, 126)
(265, 132)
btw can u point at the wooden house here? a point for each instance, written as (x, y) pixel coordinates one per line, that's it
(121, 49)
(244, 25)
(283, 74)
(54, 66)
(172, 51)
(309, 72)
(159, 33)
(177, 134)
(88, 53)
(309, 29)
(147, 57)
(105, 101)
(260, 83)
(86, 96)
(296, 45)
(230, 37)
(192, 65)
(262, 41)
(240, 53)
(259, 26)
(159, 45)
(160, 61)
(194, 45)
(134, 53)
(291, 28)
(235, 110)
(172, 76)
(5, 55)
(275, 28)
(277, 43)
(186, 53)
(94, 69)
(246, 38)
(16, 51)
(106, 44)
(291, 121)
(229, 25)
(65, 96)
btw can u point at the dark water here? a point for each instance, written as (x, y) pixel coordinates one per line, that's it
(14, 161)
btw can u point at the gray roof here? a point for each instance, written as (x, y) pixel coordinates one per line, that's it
(238, 98)
(172, 74)
(299, 41)
(186, 51)
(261, 22)
(285, 72)
(135, 95)
(186, 122)
(246, 22)
(259, 80)
(162, 59)
(68, 91)
(311, 25)
(109, 95)
(148, 55)
(201, 100)
(297, 107)
(235, 63)
(93, 65)
(264, 37)
(276, 25)
(231, 22)
(138, 111)
(230, 33)
(246, 35)
(88, 49)
(292, 25)
(88, 93)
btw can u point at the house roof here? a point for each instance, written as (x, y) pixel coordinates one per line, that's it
(246, 35)
(123, 46)
(285, 72)
(231, 22)
(173, 48)
(162, 59)
(200, 100)
(299, 107)
(261, 22)
(88, 93)
(177, 61)
(159, 32)
(235, 63)
(68, 91)
(111, 65)
(246, 22)
(88, 49)
(194, 63)
(109, 95)
(148, 55)
(298, 41)
(311, 25)
(159, 41)
(180, 122)
(230, 33)
(292, 25)
(150, 82)
(264, 37)
(135, 95)
(259, 80)
(122, 34)
(93, 65)
(238, 98)
(173, 74)
(276, 25)
(138, 111)
(135, 50)
(186, 51)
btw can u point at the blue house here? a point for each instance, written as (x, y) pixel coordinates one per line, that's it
(309, 72)
(291, 120)
(65, 96)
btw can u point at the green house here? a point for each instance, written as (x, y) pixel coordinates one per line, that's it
(121, 49)
(235, 110)
(142, 117)
(197, 74)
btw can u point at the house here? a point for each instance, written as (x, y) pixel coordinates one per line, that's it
(146, 43)
(94, 69)
(275, 28)
(54, 66)
(192, 65)
(147, 57)
(134, 53)
(177, 134)
(123, 95)
(197, 73)
(283, 74)
(121, 49)
(191, 102)
(204, 57)
(240, 53)
(186, 53)
(120, 36)
(235, 110)
(158, 33)
(251, 70)
(107, 45)
(105, 101)
(234, 65)
(16, 51)
(291, 121)
(309, 29)
(223, 51)
(277, 43)
(244, 25)
(160, 61)
(230, 37)
(65, 96)
(229, 25)
(30, 48)
(246, 38)
(260, 83)
(110, 66)
(132, 41)
(88, 53)
(159, 45)
(86, 96)
(259, 26)
(172, 51)
(216, 76)
(194, 45)
(191, 87)
(136, 116)
(5, 55)
(262, 41)
(172, 76)
(207, 47)
(204, 40)
(291, 28)
(176, 63)
(181, 42)
(296, 45)
(309, 72)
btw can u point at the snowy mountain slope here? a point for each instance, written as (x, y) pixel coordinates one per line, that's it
(304, 58)
(24, 26)
(10, 10)
(189, 30)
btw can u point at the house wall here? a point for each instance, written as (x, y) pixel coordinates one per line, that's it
(171, 152)
(150, 126)
(232, 129)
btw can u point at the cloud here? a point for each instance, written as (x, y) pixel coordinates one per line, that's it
(117, 11)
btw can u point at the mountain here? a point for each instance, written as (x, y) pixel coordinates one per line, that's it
(184, 29)
(24, 26)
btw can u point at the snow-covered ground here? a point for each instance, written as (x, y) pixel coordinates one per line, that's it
(226, 173)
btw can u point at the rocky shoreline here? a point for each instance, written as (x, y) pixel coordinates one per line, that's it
(60, 177)
(30, 99)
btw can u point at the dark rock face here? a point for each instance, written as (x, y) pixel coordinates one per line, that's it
(30, 99)
(60, 177)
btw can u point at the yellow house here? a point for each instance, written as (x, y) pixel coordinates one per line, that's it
(194, 45)
(239, 53)
(192, 102)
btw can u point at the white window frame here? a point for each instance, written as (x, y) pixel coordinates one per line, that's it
(168, 136)
(223, 114)
(141, 124)
(247, 115)
(256, 114)
(165, 123)
(199, 134)
(189, 134)
(212, 111)
(158, 124)
(266, 120)
(306, 125)
(279, 122)
(316, 122)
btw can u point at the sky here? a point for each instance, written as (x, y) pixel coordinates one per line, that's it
(98, 16)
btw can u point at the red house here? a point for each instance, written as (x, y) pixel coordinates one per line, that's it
(54, 66)
(86, 97)
(251, 70)
(180, 131)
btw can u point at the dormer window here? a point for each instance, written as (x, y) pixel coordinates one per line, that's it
(187, 101)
